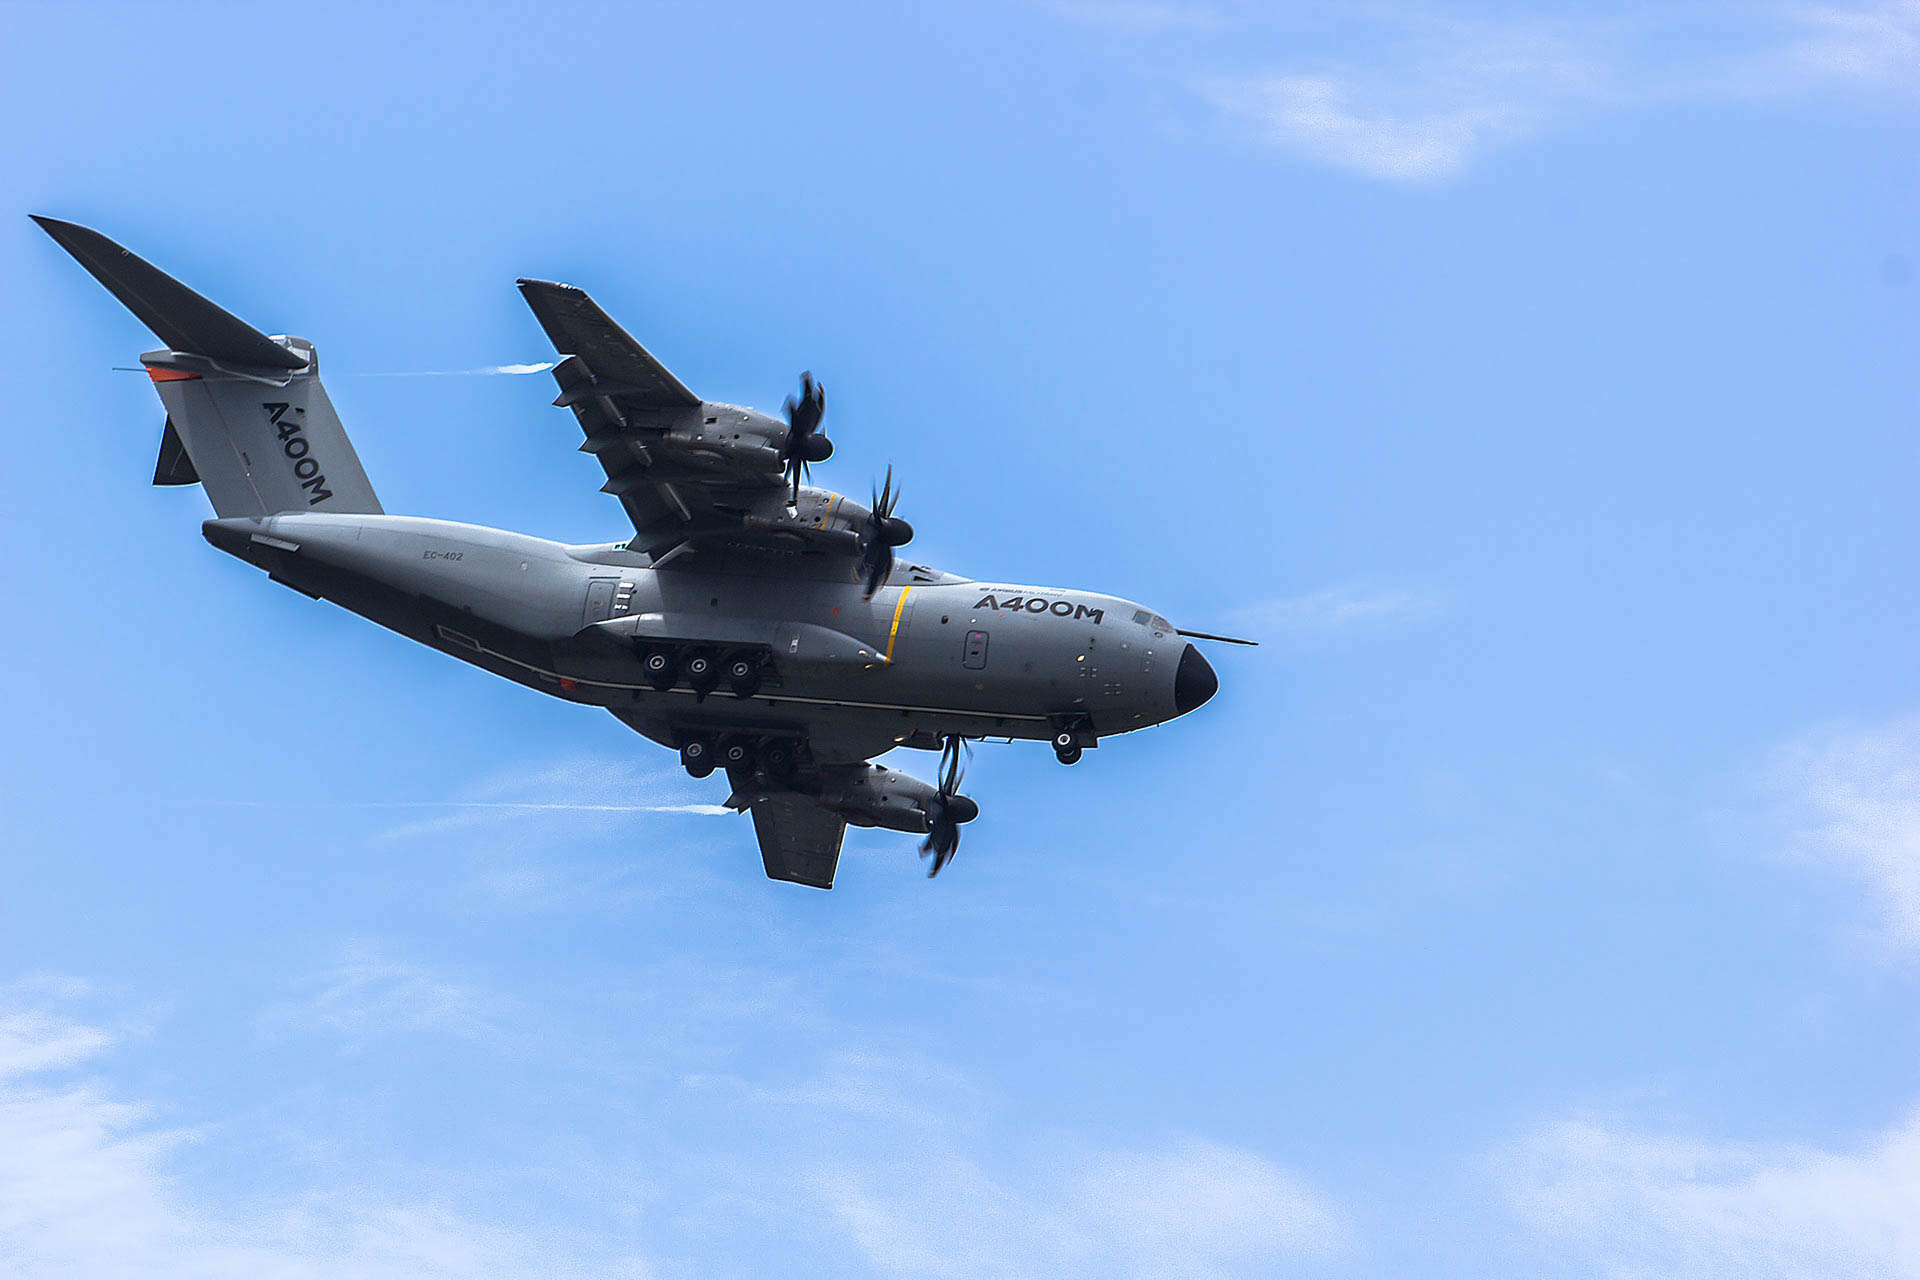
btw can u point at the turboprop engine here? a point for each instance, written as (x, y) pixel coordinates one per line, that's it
(872, 795)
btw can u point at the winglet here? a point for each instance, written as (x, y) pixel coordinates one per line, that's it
(178, 316)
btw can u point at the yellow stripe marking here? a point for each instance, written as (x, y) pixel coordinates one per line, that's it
(898, 609)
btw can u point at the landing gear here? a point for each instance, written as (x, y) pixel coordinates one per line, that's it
(1066, 746)
(703, 672)
(1071, 735)
(743, 755)
(776, 758)
(743, 675)
(660, 668)
(697, 755)
(663, 665)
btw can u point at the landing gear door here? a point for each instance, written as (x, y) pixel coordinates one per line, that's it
(976, 651)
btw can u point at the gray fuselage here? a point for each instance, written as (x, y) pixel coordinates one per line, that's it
(929, 654)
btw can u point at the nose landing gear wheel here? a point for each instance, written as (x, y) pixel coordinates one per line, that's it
(1066, 746)
(743, 675)
(697, 756)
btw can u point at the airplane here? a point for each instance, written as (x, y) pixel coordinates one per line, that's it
(752, 623)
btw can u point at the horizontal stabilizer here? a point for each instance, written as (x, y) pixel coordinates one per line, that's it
(174, 466)
(178, 316)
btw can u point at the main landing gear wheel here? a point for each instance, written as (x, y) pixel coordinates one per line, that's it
(703, 672)
(1066, 746)
(661, 670)
(736, 753)
(743, 675)
(697, 756)
(777, 759)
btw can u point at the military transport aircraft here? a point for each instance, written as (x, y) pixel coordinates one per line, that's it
(753, 623)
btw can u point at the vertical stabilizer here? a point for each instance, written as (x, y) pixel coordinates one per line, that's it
(247, 411)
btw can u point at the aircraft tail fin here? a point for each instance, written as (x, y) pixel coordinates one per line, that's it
(247, 415)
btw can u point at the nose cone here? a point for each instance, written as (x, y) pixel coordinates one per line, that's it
(1193, 683)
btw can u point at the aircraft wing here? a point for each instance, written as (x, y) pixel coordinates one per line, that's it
(580, 328)
(799, 841)
(684, 468)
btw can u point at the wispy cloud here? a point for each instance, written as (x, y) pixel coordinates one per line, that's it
(1142, 16)
(874, 1155)
(1628, 1201)
(1636, 1204)
(1433, 90)
(1192, 1211)
(369, 993)
(88, 1188)
(1851, 798)
(1332, 609)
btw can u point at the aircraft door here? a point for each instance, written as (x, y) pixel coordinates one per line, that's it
(976, 651)
(599, 605)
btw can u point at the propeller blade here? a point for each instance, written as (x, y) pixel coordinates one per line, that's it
(801, 445)
(942, 842)
(879, 567)
(950, 765)
(876, 552)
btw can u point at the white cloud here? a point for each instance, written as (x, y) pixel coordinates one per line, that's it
(1434, 90)
(1639, 1205)
(370, 994)
(1332, 609)
(1852, 799)
(1333, 120)
(87, 1189)
(1141, 16)
(1867, 45)
(1195, 1211)
(1627, 1203)
(884, 1157)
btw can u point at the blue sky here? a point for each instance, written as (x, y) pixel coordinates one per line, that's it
(1543, 897)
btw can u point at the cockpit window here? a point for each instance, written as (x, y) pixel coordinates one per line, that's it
(1161, 624)
(1142, 617)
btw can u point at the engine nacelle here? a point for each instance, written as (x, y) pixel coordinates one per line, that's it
(872, 795)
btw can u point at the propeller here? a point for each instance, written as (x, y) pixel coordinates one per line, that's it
(804, 443)
(949, 808)
(882, 533)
